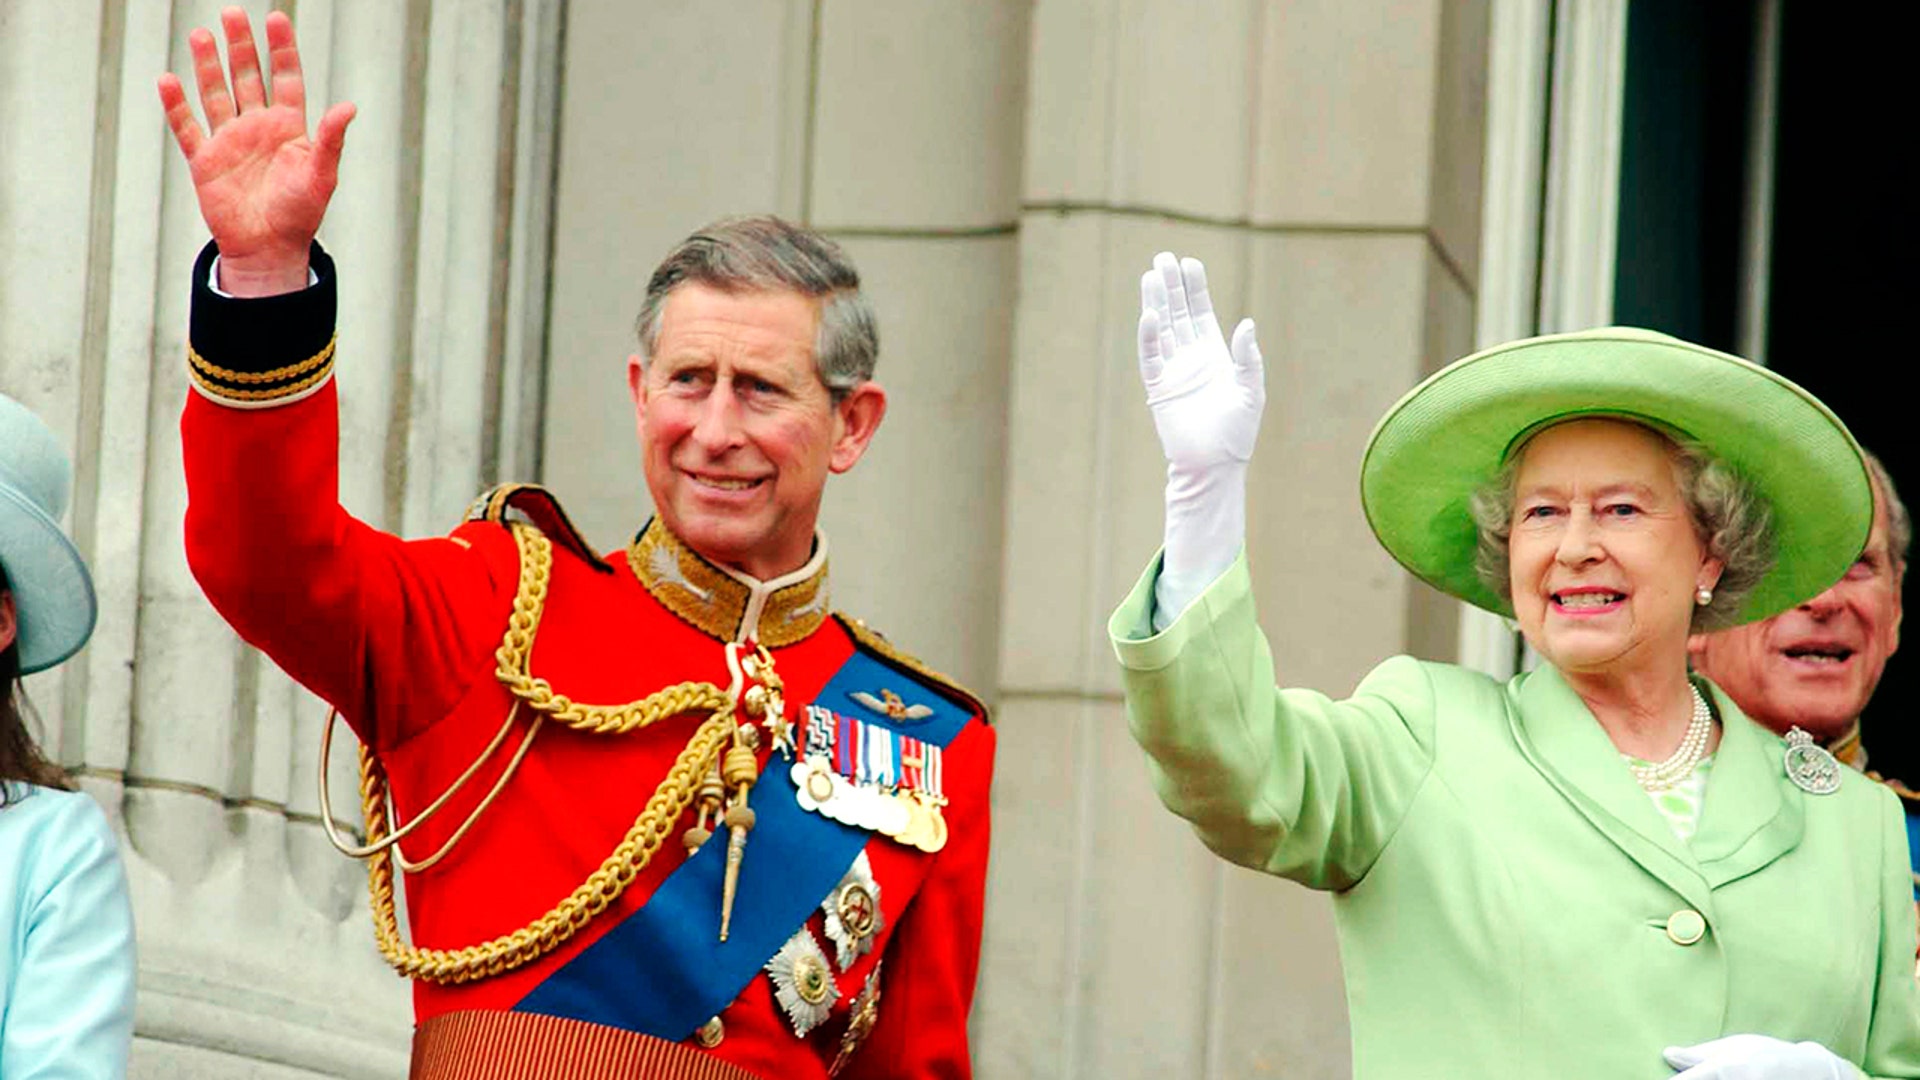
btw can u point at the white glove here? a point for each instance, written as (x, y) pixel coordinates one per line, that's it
(1206, 399)
(1758, 1057)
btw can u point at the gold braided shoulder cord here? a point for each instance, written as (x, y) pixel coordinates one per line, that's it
(606, 884)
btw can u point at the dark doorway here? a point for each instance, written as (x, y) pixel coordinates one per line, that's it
(1683, 167)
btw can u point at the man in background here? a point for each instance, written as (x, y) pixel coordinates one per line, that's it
(1816, 666)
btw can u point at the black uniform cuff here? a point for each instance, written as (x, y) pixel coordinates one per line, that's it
(261, 350)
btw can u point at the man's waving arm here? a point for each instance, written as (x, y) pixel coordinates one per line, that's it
(334, 601)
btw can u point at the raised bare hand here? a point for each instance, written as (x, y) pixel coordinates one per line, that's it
(263, 185)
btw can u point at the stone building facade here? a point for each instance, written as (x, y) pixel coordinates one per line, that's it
(1366, 179)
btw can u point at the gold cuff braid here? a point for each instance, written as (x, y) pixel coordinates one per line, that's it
(202, 365)
(605, 885)
(274, 394)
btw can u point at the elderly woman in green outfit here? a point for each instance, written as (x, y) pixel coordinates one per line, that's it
(1601, 868)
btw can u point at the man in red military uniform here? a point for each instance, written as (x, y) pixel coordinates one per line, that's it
(660, 813)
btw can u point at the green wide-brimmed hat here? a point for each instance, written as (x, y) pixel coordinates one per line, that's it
(1453, 433)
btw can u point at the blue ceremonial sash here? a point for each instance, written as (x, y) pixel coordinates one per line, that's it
(664, 970)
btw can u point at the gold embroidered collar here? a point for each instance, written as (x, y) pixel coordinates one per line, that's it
(727, 603)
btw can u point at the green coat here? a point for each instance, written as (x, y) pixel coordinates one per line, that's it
(1502, 887)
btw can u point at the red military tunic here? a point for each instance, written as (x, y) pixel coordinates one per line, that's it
(404, 637)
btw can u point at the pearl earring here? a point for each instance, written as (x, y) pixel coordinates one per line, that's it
(1703, 596)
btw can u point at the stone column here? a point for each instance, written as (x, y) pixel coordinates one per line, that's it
(1322, 158)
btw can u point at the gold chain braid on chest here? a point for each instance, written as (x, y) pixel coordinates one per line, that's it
(516, 648)
(606, 884)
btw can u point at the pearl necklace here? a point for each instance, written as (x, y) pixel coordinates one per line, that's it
(1693, 747)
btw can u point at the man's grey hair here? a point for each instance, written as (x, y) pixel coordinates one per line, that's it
(1899, 525)
(766, 254)
(1729, 516)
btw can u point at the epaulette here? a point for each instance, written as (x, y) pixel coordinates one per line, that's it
(536, 506)
(872, 641)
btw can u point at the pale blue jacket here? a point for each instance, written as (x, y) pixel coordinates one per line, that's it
(66, 940)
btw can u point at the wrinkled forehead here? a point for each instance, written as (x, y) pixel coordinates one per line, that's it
(703, 316)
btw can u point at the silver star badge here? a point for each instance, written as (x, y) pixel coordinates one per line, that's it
(803, 982)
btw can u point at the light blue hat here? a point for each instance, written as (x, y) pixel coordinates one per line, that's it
(52, 591)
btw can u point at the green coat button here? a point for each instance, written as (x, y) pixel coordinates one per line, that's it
(1684, 927)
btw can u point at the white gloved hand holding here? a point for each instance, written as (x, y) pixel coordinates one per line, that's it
(1206, 397)
(1758, 1057)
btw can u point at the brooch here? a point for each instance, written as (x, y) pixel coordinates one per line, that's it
(1810, 767)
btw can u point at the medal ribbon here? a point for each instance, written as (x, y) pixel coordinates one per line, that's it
(846, 749)
(882, 765)
(935, 768)
(913, 755)
(819, 732)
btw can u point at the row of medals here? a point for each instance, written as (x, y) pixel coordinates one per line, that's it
(907, 816)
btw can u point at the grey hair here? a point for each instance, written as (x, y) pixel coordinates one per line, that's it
(765, 253)
(1729, 516)
(1899, 525)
